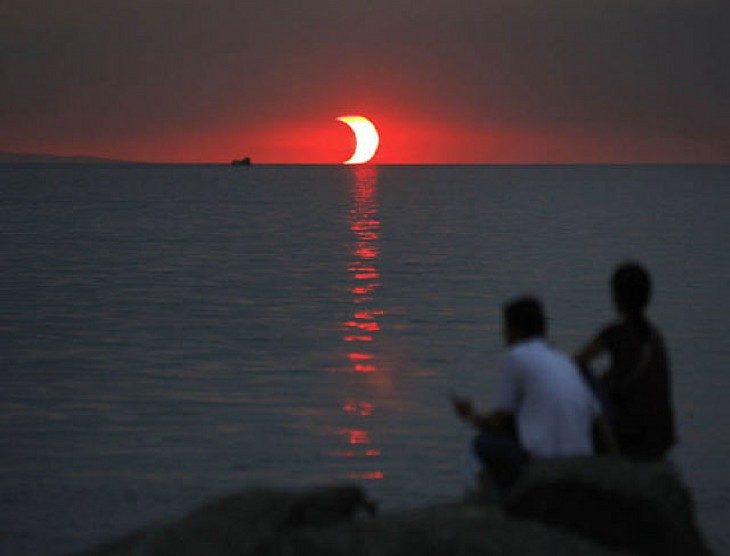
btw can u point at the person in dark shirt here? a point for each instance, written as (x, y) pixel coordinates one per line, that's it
(637, 386)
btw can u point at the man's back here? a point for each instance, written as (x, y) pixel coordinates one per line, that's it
(553, 406)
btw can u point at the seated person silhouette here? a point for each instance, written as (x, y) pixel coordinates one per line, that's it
(637, 387)
(544, 408)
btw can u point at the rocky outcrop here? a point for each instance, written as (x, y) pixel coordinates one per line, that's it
(643, 508)
(267, 523)
(574, 507)
(448, 530)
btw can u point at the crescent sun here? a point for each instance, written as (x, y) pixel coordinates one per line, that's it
(366, 138)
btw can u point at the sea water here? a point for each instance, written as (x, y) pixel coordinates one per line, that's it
(175, 333)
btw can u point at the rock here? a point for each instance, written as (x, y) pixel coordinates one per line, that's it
(448, 530)
(235, 524)
(240, 523)
(640, 507)
(325, 521)
(583, 506)
(327, 505)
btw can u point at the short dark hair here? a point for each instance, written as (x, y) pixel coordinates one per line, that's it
(525, 315)
(631, 286)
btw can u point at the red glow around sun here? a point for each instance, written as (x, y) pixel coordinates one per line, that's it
(405, 138)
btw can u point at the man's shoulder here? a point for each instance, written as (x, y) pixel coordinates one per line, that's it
(522, 348)
(530, 346)
(534, 349)
(538, 354)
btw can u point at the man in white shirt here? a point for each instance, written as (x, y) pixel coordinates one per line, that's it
(545, 409)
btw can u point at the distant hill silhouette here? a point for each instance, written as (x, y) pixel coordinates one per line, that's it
(41, 158)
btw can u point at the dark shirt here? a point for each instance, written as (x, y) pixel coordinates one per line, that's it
(638, 385)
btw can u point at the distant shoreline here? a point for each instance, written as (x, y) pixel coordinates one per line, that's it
(45, 158)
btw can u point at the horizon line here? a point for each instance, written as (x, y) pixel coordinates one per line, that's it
(100, 161)
(14, 157)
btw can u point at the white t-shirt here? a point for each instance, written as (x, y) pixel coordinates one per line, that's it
(553, 406)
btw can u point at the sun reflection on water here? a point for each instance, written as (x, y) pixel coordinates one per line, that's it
(361, 329)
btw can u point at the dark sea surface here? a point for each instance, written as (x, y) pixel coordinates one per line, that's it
(173, 333)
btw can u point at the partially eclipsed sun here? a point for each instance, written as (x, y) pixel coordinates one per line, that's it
(366, 138)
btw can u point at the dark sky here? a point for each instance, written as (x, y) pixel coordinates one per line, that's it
(444, 81)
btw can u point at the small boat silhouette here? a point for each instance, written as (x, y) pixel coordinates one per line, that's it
(246, 161)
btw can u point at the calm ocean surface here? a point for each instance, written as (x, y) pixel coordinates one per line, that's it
(171, 333)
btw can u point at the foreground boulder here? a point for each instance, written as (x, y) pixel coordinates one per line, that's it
(235, 524)
(447, 530)
(336, 521)
(584, 506)
(642, 508)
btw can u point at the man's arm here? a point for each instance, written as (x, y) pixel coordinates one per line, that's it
(589, 351)
(501, 420)
(497, 421)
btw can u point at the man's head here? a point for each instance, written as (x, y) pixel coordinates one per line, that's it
(631, 287)
(523, 319)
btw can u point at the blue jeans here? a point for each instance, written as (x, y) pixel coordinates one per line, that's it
(502, 456)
